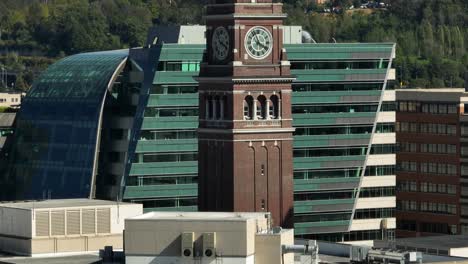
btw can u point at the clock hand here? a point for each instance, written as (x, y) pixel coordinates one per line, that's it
(224, 45)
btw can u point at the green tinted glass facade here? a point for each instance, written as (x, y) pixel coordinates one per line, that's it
(57, 128)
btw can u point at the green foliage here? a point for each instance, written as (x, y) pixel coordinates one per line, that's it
(432, 35)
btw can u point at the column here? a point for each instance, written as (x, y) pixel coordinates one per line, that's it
(279, 108)
(267, 109)
(255, 102)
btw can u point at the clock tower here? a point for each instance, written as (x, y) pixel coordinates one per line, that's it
(245, 129)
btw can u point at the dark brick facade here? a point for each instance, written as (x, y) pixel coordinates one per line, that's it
(245, 164)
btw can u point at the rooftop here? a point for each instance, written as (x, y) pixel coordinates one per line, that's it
(432, 94)
(439, 242)
(61, 203)
(7, 119)
(433, 90)
(194, 216)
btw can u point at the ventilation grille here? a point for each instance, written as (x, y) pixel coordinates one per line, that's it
(42, 223)
(73, 222)
(58, 223)
(89, 222)
(103, 220)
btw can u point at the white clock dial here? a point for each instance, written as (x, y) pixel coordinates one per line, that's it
(220, 43)
(258, 43)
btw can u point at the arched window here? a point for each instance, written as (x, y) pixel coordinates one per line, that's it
(248, 108)
(209, 107)
(273, 107)
(261, 107)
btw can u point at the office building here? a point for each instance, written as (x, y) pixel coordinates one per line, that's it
(63, 226)
(430, 162)
(122, 125)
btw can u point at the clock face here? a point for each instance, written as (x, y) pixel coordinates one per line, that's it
(220, 43)
(258, 43)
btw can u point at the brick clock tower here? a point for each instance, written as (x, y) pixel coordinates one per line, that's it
(245, 131)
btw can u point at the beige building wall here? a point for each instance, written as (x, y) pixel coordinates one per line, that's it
(158, 238)
(38, 229)
(10, 99)
(267, 245)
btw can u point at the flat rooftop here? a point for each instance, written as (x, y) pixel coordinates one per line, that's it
(7, 119)
(433, 90)
(195, 216)
(60, 203)
(439, 242)
(432, 94)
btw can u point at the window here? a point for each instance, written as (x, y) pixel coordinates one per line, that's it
(407, 186)
(408, 166)
(169, 157)
(310, 87)
(261, 107)
(406, 225)
(404, 127)
(452, 149)
(451, 169)
(248, 108)
(464, 170)
(405, 205)
(274, 107)
(374, 213)
(451, 129)
(425, 108)
(451, 189)
(403, 106)
(464, 128)
(464, 150)
(173, 89)
(442, 109)
(408, 147)
(452, 109)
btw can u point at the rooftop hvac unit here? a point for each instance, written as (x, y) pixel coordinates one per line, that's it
(187, 244)
(209, 244)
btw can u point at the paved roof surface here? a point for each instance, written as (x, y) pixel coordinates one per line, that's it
(440, 242)
(58, 203)
(198, 216)
(7, 119)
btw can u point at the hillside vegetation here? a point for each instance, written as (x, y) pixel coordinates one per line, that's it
(432, 35)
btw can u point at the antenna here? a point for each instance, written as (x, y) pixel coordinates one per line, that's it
(118, 208)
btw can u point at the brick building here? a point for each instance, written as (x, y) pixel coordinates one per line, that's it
(430, 184)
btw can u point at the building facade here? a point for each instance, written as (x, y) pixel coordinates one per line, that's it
(245, 123)
(206, 238)
(63, 226)
(10, 100)
(343, 145)
(430, 185)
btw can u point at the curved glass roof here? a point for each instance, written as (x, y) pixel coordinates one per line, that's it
(57, 127)
(82, 76)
